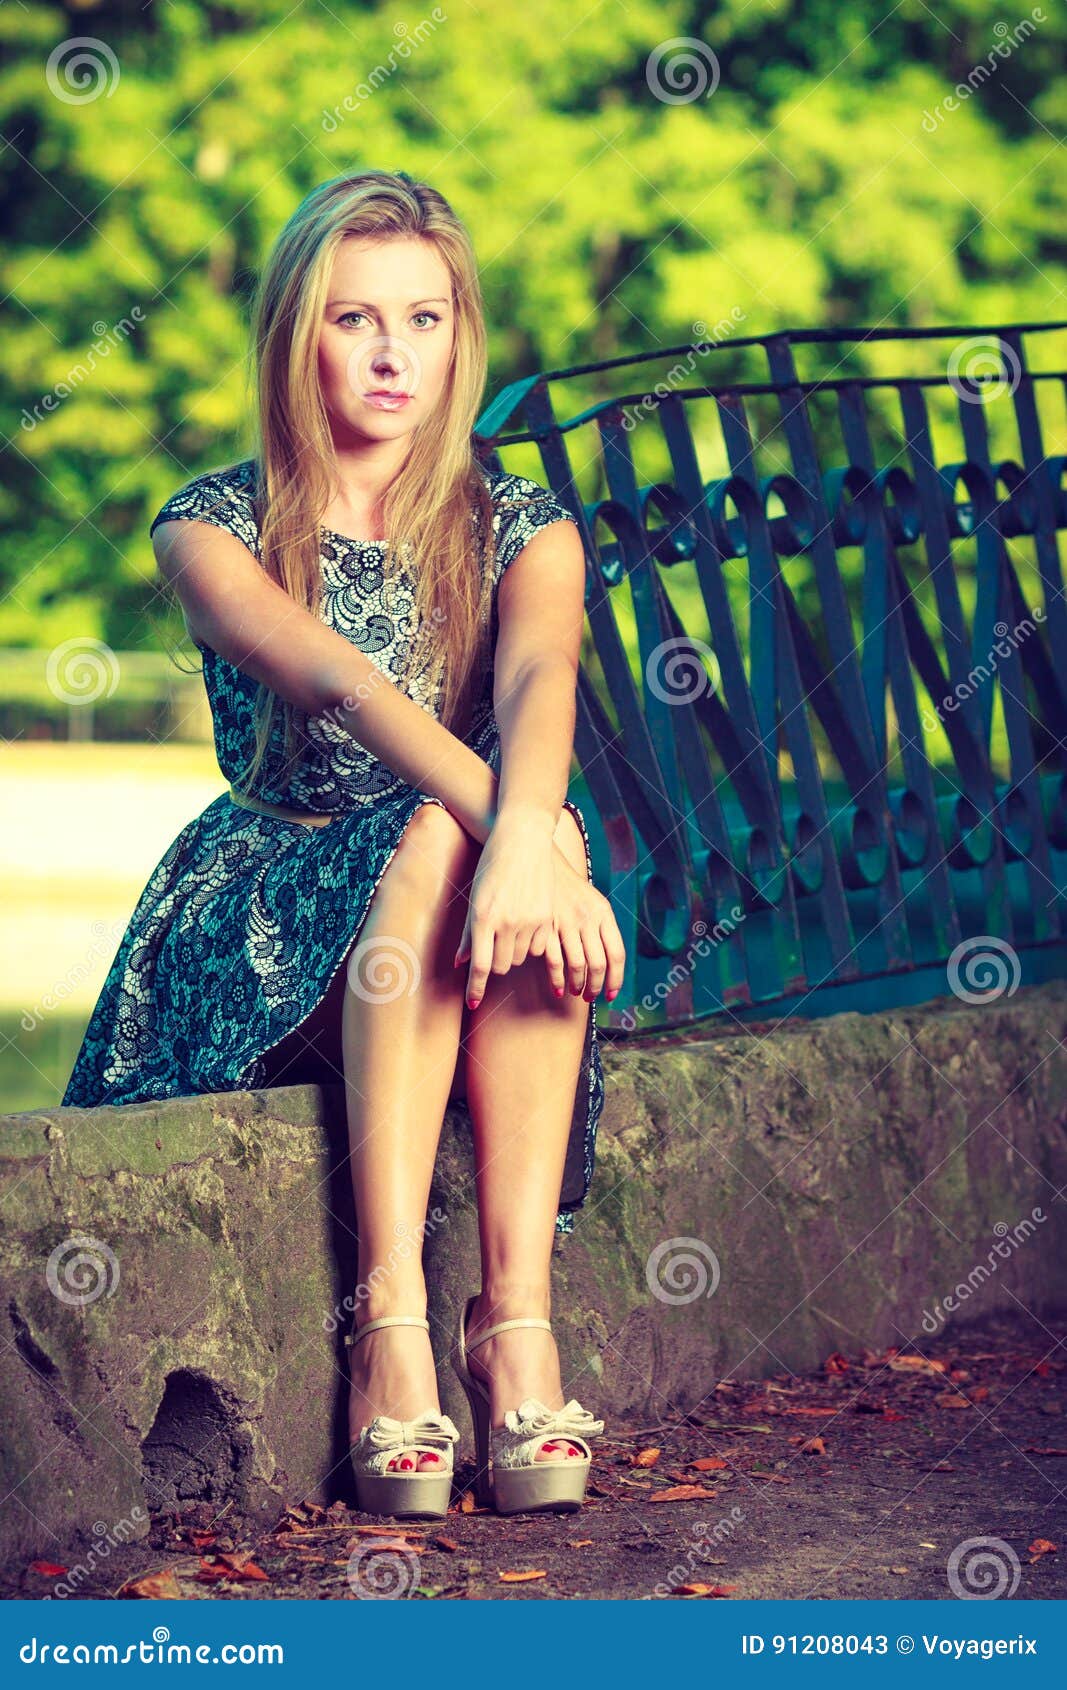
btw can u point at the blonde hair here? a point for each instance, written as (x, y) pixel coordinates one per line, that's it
(438, 492)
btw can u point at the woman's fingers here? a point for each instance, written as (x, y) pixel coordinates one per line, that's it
(482, 951)
(584, 958)
(463, 949)
(553, 954)
(503, 950)
(596, 962)
(615, 951)
(570, 939)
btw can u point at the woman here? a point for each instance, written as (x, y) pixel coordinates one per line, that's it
(395, 886)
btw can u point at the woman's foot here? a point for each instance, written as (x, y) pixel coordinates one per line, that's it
(392, 1372)
(517, 1364)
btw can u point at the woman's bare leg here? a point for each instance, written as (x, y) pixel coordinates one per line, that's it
(400, 1029)
(523, 1055)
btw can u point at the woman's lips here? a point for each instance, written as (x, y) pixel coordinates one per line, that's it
(387, 401)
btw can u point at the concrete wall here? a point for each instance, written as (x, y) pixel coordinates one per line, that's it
(759, 1203)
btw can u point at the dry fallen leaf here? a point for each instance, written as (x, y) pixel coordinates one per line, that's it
(581, 1543)
(448, 1543)
(153, 1585)
(681, 1493)
(917, 1364)
(236, 1567)
(519, 1578)
(708, 1464)
(704, 1589)
(952, 1399)
(48, 1569)
(810, 1446)
(1041, 1546)
(645, 1458)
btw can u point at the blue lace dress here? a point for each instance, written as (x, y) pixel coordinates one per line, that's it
(247, 918)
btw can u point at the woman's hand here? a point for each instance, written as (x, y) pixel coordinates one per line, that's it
(527, 900)
(510, 906)
(586, 948)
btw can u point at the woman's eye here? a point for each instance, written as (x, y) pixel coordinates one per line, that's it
(348, 315)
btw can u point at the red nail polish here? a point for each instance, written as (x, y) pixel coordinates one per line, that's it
(559, 991)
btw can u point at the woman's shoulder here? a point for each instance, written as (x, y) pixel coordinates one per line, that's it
(511, 492)
(225, 497)
(521, 506)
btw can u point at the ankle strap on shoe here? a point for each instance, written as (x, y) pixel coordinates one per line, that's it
(358, 1332)
(503, 1326)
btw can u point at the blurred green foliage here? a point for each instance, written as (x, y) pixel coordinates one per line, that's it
(823, 182)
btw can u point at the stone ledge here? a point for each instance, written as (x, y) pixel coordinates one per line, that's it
(838, 1179)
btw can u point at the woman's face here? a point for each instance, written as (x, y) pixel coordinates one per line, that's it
(386, 340)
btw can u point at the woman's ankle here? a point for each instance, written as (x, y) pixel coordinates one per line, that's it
(389, 1300)
(511, 1302)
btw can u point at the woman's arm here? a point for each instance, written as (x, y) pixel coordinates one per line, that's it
(233, 606)
(524, 891)
(541, 610)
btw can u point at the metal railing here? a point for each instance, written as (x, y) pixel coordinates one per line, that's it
(838, 779)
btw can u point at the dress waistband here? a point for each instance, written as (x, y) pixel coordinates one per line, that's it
(309, 817)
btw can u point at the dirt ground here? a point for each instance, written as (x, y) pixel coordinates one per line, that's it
(872, 1477)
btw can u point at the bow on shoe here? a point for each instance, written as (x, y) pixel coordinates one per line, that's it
(386, 1433)
(533, 1419)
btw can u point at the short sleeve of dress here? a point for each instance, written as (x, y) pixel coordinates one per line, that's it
(222, 497)
(522, 508)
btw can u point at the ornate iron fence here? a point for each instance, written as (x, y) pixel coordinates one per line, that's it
(782, 823)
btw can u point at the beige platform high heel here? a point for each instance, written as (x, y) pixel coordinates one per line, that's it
(405, 1495)
(519, 1483)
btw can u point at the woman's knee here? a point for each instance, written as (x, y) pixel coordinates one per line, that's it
(434, 859)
